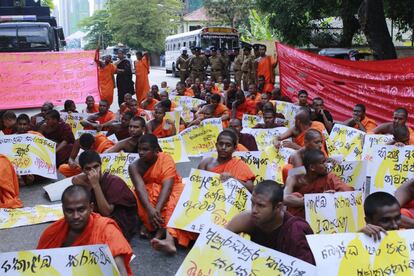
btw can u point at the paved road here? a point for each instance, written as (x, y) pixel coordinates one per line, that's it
(147, 261)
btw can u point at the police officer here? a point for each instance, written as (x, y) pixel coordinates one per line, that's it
(226, 60)
(248, 68)
(216, 65)
(182, 64)
(256, 53)
(238, 61)
(198, 65)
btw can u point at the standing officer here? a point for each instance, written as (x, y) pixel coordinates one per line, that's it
(248, 68)
(216, 65)
(182, 64)
(226, 60)
(238, 61)
(198, 65)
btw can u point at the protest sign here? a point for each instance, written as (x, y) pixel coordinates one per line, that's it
(117, 164)
(186, 104)
(218, 251)
(329, 213)
(174, 146)
(74, 119)
(82, 131)
(74, 77)
(348, 254)
(30, 154)
(10, 218)
(264, 136)
(174, 116)
(346, 141)
(390, 167)
(249, 121)
(260, 164)
(372, 140)
(280, 157)
(206, 200)
(78, 260)
(288, 110)
(55, 190)
(354, 173)
(202, 138)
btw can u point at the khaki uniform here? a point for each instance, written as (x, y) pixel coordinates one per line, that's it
(216, 67)
(248, 71)
(197, 66)
(182, 65)
(226, 61)
(238, 62)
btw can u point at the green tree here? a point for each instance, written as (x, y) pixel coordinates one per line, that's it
(257, 28)
(229, 12)
(143, 24)
(97, 27)
(48, 3)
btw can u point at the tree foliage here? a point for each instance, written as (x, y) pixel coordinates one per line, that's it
(257, 28)
(229, 12)
(97, 27)
(48, 3)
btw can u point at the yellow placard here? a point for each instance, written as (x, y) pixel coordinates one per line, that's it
(260, 164)
(250, 121)
(353, 173)
(10, 218)
(117, 164)
(347, 142)
(74, 119)
(174, 146)
(279, 158)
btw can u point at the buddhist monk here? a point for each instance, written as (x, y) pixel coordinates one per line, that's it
(225, 164)
(360, 120)
(9, 122)
(401, 136)
(149, 103)
(266, 67)
(156, 92)
(120, 129)
(400, 117)
(110, 194)
(271, 119)
(142, 70)
(160, 126)
(320, 114)
(316, 180)
(220, 110)
(106, 72)
(240, 106)
(69, 106)
(101, 120)
(405, 197)
(137, 128)
(91, 107)
(206, 112)
(86, 141)
(264, 100)
(269, 225)
(124, 107)
(245, 139)
(164, 97)
(80, 226)
(38, 119)
(9, 185)
(59, 132)
(158, 187)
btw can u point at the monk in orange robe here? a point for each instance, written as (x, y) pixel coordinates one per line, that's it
(142, 70)
(240, 147)
(160, 126)
(316, 180)
(399, 118)
(78, 228)
(158, 188)
(124, 107)
(266, 67)
(106, 71)
(225, 164)
(150, 102)
(220, 110)
(360, 121)
(101, 120)
(9, 185)
(405, 197)
(91, 106)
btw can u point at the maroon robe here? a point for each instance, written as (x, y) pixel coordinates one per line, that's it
(248, 141)
(63, 132)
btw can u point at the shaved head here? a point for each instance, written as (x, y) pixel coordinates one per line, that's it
(303, 117)
(75, 191)
(312, 134)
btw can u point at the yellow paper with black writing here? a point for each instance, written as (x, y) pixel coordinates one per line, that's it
(174, 146)
(353, 173)
(288, 110)
(250, 121)
(74, 120)
(206, 200)
(340, 212)
(260, 164)
(77, 260)
(348, 254)
(218, 251)
(10, 218)
(30, 154)
(346, 141)
(117, 164)
(264, 137)
(186, 104)
(279, 158)
(174, 116)
(372, 140)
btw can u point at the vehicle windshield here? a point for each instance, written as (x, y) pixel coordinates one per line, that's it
(24, 38)
(219, 41)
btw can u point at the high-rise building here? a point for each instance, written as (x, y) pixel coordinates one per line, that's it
(71, 12)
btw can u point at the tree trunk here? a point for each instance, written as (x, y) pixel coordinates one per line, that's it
(372, 21)
(350, 23)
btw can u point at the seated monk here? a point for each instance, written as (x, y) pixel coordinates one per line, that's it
(9, 119)
(220, 110)
(209, 87)
(316, 180)
(86, 141)
(91, 106)
(231, 95)
(225, 164)
(382, 214)
(405, 197)
(38, 119)
(360, 121)
(158, 187)
(110, 194)
(9, 185)
(101, 120)
(136, 129)
(252, 99)
(245, 139)
(270, 225)
(69, 106)
(240, 106)
(149, 103)
(124, 107)
(80, 226)
(400, 117)
(205, 112)
(137, 111)
(270, 118)
(120, 129)
(180, 89)
(401, 136)
(160, 126)
(164, 97)
(264, 101)
(59, 132)
(155, 91)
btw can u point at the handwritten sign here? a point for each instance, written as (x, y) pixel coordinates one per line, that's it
(288, 110)
(186, 104)
(346, 141)
(390, 167)
(249, 121)
(10, 218)
(348, 254)
(372, 140)
(264, 137)
(202, 138)
(78, 260)
(260, 164)
(74, 77)
(74, 119)
(335, 213)
(280, 157)
(354, 173)
(206, 200)
(30, 154)
(117, 164)
(174, 146)
(218, 251)
(174, 116)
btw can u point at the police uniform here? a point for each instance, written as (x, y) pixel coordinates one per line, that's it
(238, 61)
(216, 65)
(198, 65)
(182, 64)
(248, 70)
(226, 60)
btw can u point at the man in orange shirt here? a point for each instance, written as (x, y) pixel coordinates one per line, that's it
(9, 185)
(106, 73)
(101, 120)
(80, 226)
(142, 70)
(400, 117)
(360, 121)
(266, 67)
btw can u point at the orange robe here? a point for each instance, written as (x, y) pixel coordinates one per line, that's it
(35, 133)
(95, 109)
(142, 69)
(106, 82)
(160, 132)
(300, 139)
(9, 185)
(240, 147)
(189, 92)
(151, 105)
(408, 210)
(411, 136)
(368, 123)
(109, 116)
(164, 169)
(265, 67)
(99, 230)
(221, 110)
(237, 168)
(123, 108)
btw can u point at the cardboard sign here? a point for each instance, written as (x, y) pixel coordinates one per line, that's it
(30, 154)
(55, 190)
(346, 141)
(264, 137)
(10, 218)
(117, 164)
(260, 164)
(208, 201)
(354, 173)
(74, 119)
(335, 213)
(288, 110)
(186, 104)
(218, 251)
(281, 158)
(372, 140)
(357, 254)
(249, 121)
(174, 116)
(78, 260)
(174, 146)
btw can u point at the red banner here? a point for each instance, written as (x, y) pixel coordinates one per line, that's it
(381, 86)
